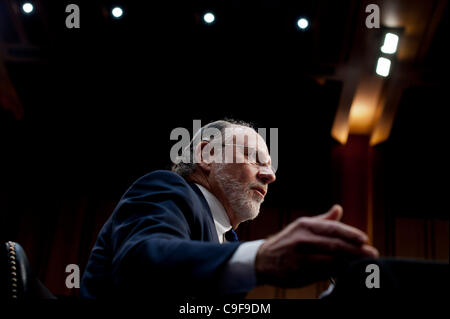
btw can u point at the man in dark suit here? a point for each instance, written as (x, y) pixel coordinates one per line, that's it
(171, 235)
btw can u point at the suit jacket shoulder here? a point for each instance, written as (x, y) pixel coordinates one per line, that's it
(171, 200)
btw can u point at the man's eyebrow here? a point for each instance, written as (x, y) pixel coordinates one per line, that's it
(269, 161)
(249, 147)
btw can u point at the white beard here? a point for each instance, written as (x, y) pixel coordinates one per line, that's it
(244, 203)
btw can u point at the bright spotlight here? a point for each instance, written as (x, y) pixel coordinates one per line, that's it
(209, 18)
(383, 66)
(117, 12)
(302, 23)
(390, 43)
(27, 7)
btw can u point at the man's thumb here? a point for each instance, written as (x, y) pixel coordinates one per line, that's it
(335, 213)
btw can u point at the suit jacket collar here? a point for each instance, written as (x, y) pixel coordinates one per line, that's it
(210, 219)
(219, 214)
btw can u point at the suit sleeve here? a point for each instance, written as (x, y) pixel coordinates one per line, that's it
(153, 247)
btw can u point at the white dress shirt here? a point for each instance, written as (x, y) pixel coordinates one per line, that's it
(239, 273)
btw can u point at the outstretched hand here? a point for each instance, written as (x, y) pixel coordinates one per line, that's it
(310, 249)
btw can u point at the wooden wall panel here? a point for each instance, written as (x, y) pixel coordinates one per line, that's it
(441, 239)
(409, 238)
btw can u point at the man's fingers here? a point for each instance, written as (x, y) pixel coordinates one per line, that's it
(336, 247)
(335, 213)
(331, 228)
(371, 251)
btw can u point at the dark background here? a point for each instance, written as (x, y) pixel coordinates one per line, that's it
(99, 104)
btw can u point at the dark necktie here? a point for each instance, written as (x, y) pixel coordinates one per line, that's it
(231, 236)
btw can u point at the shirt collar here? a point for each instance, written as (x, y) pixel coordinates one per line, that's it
(221, 220)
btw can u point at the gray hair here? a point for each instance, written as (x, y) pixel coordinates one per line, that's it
(184, 169)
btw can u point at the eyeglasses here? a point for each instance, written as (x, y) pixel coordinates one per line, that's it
(253, 157)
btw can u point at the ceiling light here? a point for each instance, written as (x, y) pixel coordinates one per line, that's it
(302, 23)
(27, 7)
(390, 43)
(117, 12)
(209, 18)
(383, 66)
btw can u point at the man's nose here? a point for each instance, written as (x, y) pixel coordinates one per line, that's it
(266, 174)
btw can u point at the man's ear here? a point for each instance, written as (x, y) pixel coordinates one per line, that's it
(203, 159)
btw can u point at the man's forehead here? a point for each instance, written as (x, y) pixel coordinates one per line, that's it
(243, 135)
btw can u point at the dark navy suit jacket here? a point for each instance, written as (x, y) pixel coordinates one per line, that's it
(160, 241)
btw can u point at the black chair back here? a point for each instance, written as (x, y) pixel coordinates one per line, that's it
(17, 279)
